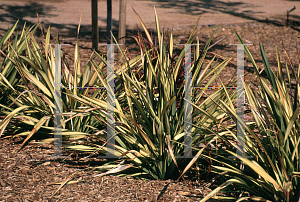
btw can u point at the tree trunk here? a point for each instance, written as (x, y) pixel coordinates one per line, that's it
(109, 22)
(122, 21)
(95, 30)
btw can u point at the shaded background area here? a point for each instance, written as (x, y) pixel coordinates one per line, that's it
(64, 16)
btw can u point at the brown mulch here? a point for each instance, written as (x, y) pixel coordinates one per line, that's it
(29, 175)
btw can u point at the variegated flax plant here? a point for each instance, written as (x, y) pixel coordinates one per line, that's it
(27, 87)
(149, 109)
(274, 172)
(149, 104)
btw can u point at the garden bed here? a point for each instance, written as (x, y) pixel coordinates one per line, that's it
(29, 175)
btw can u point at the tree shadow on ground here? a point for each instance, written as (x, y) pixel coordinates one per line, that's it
(199, 7)
(12, 13)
